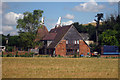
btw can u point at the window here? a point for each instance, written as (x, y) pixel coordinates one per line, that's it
(77, 41)
(72, 42)
(77, 50)
(69, 50)
(66, 41)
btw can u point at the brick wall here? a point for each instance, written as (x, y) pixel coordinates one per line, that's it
(61, 48)
(83, 48)
(14, 53)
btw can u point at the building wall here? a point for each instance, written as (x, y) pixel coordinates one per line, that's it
(83, 48)
(61, 48)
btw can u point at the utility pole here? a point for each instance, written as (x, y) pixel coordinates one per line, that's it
(99, 17)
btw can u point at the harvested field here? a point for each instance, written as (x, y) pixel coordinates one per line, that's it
(40, 67)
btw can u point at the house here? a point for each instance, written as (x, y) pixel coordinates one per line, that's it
(64, 40)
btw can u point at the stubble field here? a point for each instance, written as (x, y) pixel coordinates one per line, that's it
(40, 67)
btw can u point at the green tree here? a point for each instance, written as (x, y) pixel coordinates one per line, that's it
(108, 38)
(28, 27)
(13, 41)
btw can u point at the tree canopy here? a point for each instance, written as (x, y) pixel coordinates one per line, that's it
(108, 31)
(28, 27)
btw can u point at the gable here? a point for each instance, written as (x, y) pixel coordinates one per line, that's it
(60, 32)
(72, 34)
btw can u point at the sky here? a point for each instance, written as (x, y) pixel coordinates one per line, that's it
(82, 12)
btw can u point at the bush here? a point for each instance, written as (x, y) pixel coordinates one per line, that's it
(60, 56)
(4, 55)
(17, 54)
(75, 56)
(10, 55)
(26, 55)
(31, 54)
(9, 48)
(22, 55)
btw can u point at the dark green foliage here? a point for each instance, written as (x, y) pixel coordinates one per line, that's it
(28, 27)
(17, 54)
(26, 54)
(93, 47)
(60, 56)
(90, 29)
(9, 48)
(31, 54)
(13, 41)
(10, 55)
(75, 55)
(108, 37)
(108, 31)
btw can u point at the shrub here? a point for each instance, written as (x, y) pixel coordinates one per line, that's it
(9, 48)
(17, 54)
(9, 55)
(22, 55)
(4, 55)
(60, 56)
(26, 55)
(75, 55)
(47, 56)
(31, 54)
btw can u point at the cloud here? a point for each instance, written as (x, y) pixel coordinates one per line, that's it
(11, 18)
(13, 33)
(94, 21)
(91, 6)
(9, 29)
(69, 16)
(67, 23)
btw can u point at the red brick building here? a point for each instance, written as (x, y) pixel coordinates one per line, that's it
(65, 40)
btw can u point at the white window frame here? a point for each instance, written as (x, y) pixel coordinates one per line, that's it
(66, 41)
(77, 41)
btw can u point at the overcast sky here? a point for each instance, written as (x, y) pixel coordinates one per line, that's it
(82, 12)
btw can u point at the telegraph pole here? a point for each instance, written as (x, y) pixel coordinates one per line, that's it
(99, 17)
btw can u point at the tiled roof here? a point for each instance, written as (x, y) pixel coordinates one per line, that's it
(61, 31)
(57, 34)
(50, 36)
(41, 32)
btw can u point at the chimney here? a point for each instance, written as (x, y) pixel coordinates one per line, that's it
(42, 21)
(59, 22)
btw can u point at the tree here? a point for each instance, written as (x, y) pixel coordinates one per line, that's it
(28, 27)
(13, 41)
(109, 38)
